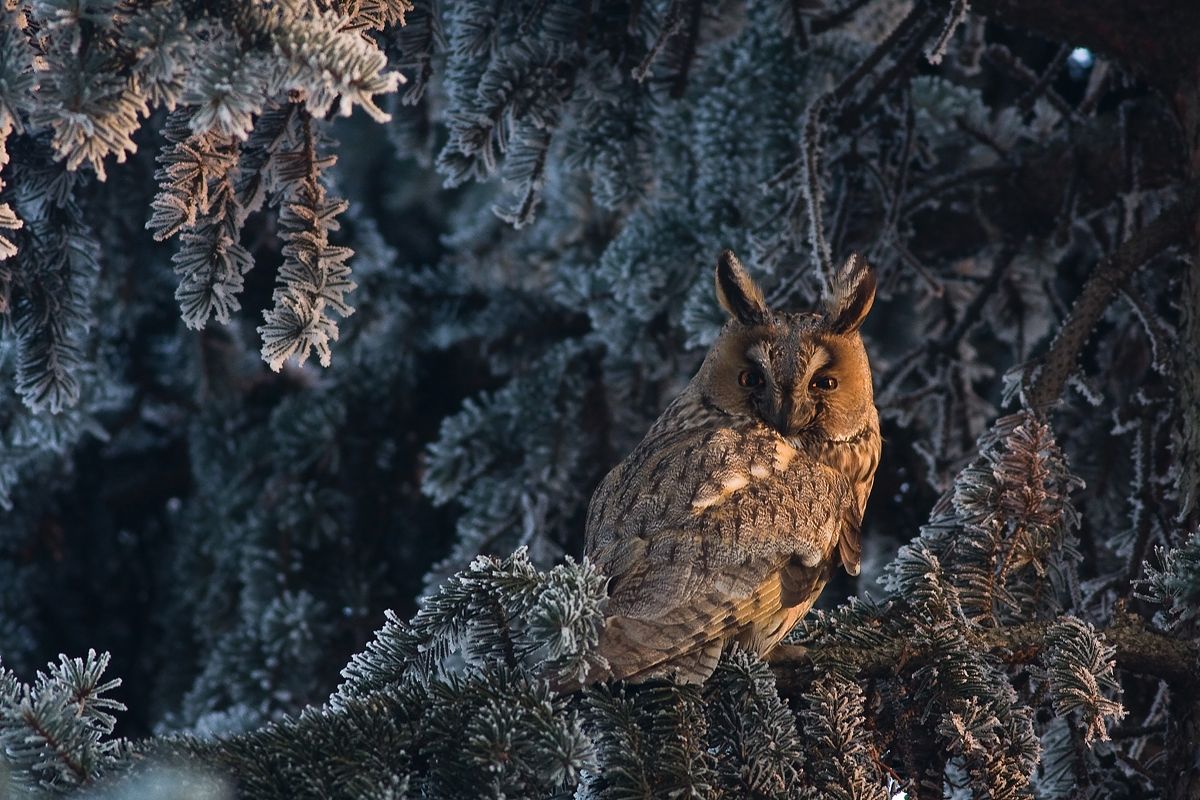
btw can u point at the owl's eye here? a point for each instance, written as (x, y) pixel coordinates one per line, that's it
(824, 383)
(750, 378)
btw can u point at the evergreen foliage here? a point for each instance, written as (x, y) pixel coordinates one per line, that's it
(503, 269)
(56, 732)
(1174, 584)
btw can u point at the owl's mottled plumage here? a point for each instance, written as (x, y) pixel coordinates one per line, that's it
(725, 522)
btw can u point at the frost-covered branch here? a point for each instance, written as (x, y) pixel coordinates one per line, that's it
(1052, 371)
(314, 278)
(1138, 649)
(56, 733)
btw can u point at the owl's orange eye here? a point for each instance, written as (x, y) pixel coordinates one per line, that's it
(824, 383)
(750, 378)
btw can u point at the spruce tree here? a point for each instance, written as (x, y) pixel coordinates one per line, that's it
(320, 320)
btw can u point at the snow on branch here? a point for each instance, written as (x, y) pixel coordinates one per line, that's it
(314, 277)
(198, 201)
(954, 18)
(57, 732)
(102, 68)
(1079, 667)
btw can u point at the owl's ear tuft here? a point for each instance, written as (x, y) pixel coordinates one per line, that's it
(737, 292)
(852, 296)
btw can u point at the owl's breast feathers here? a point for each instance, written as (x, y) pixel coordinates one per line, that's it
(856, 458)
(709, 536)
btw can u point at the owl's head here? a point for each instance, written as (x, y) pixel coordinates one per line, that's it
(801, 374)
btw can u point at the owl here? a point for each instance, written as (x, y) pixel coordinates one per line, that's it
(724, 524)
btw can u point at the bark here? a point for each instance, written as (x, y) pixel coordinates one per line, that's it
(1139, 649)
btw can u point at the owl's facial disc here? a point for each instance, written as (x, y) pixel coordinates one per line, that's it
(787, 381)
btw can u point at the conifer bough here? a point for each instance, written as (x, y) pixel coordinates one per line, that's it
(232, 534)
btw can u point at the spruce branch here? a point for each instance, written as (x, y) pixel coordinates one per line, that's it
(1051, 372)
(416, 41)
(56, 731)
(17, 84)
(675, 18)
(1079, 668)
(314, 278)
(197, 200)
(1139, 649)
(840, 760)
(954, 18)
(50, 314)
(9, 221)
(753, 733)
(328, 61)
(1173, 582)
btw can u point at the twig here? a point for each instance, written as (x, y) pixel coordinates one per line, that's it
(948, 343)
(814, 196)
(894, 202)
(912, 29)
(983, 137)
(905, 60)
(1096, 87)
(531, 17)
(906, 255)
(958, 12)
(689, 50)
(836, 19)
(967, 177)
(1141, 502)
(1058, 363)
(1038, 84)
(1156, 337)
(971, 314)
(1042, 85)
(672, 22)
(843, 90)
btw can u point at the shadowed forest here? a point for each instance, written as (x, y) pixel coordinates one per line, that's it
(322, 320)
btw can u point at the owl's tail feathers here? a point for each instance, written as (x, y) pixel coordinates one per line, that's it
(636, 650)
(639, 649)
(689, 645)
(634, 667)
(640, 660)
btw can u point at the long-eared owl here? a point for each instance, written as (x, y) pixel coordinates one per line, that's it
(724, 524)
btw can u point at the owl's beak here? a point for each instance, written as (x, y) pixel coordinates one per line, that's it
(791, 417)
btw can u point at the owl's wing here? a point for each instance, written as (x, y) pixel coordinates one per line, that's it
(850, 541)
(751, 537)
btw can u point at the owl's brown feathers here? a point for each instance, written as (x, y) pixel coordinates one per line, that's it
(725, 523)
